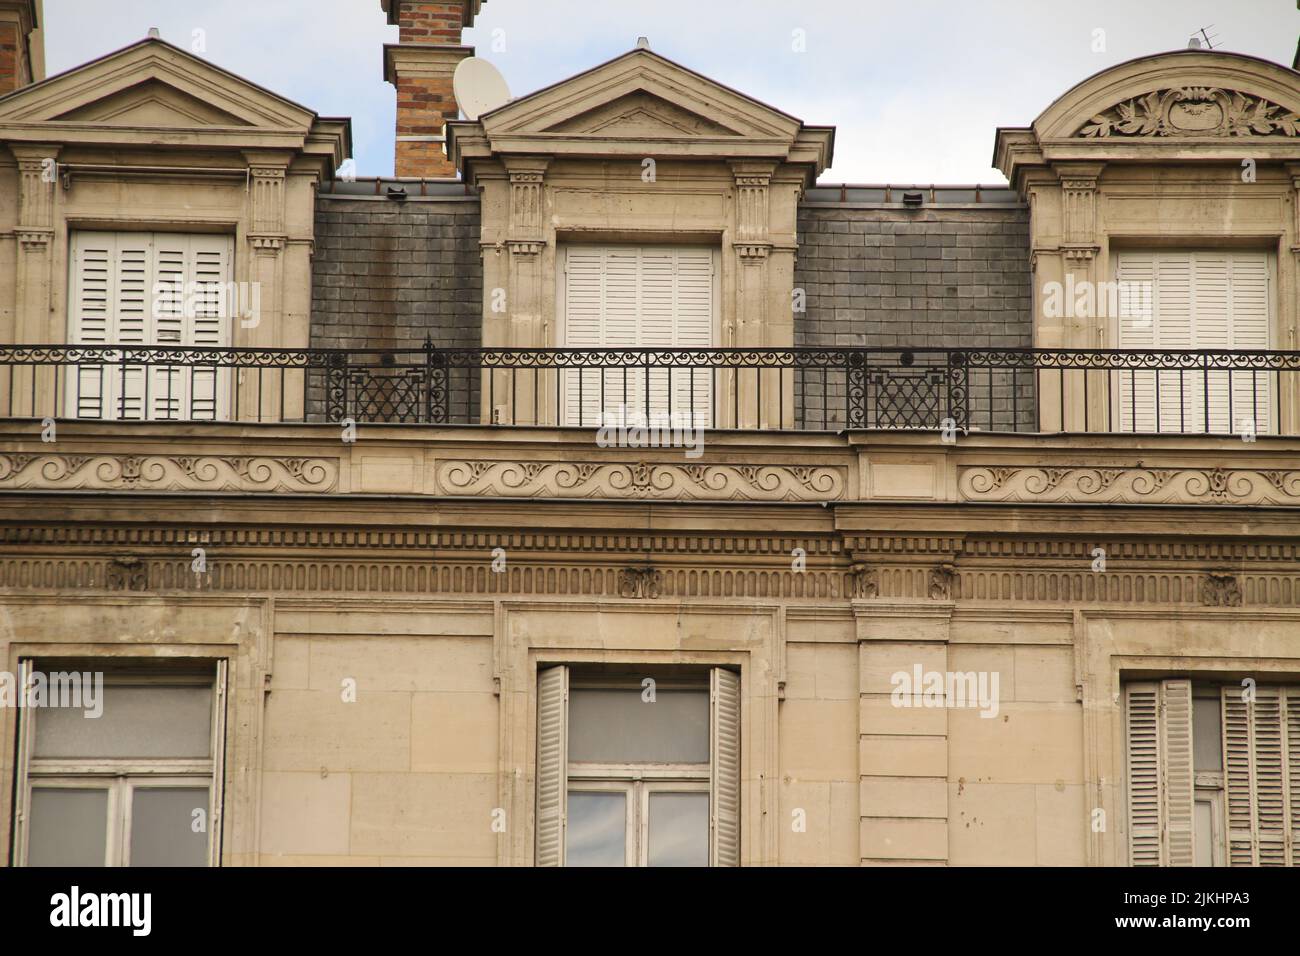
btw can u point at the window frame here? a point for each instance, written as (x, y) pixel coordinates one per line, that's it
(122, 776)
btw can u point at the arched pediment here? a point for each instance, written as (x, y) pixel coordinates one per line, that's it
(1188, 94)
(1153, 108)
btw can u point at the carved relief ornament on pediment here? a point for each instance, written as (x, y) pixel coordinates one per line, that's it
(1193, 111)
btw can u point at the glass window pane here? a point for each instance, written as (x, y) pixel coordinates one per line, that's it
(620, 726)
(68, 827)
(1203, 845)
(162, 826)
(597, 830)
(679, 829)
(1207, 734)
(138, 720)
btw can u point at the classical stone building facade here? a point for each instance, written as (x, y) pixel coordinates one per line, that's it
(975, 540)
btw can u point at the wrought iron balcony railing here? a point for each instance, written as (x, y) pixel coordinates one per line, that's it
(807, 389)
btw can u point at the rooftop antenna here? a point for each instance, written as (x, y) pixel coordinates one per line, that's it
(479, 87)
(1201, 39)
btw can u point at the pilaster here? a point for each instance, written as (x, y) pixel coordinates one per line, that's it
(903, 750)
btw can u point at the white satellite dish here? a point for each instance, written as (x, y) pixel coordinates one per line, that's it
(479, 87)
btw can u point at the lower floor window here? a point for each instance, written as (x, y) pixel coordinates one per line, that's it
(119, 766)
(638, 771)
(1213, 773)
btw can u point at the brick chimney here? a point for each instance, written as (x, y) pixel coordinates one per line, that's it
(22, 53)
(421, 67)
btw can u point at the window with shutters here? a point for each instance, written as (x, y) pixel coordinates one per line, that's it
(635, 298)
(1213, 774)
(638, 771)
(133, 781)
(149, 289)
(1202, 300)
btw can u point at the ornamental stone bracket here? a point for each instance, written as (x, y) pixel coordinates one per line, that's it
(1079, 208)
(527, 200)
(266, 195)
(943, 581)
(863, 581)
(127, 574)
(639, 582)
(1221, 590)
(753, 182)
(37, 174)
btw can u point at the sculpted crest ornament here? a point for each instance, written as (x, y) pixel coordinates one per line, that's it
(1194, 111)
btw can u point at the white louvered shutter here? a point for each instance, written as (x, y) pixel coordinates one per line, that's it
(724, 759)
(1249, 316)
(552, 764)
(637, 297)
(1238, 778)
(1262, 774)
(208, 324)
(1194, 300)
(133, 289)
(1142, 725)
(1158, 725)
(1176, 755)
(1271, 822)
(1291, 702)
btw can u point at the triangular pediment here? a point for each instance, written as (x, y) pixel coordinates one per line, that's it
(149, 85)
(153, 103)
(641, 104)
(641, 114)
(672, 98)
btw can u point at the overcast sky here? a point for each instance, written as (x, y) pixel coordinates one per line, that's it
(915, 87)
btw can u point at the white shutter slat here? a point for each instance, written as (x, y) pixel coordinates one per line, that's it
(1238, 777)
(92, 319)
(552, 764)
(1270, 782)
(724, 762)
(1135, 273)
(209, 323)
(1178, 780)
(1142, 726)
(1291, 702)
(1248, 313)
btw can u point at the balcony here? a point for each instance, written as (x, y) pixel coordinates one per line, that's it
(1212, 392)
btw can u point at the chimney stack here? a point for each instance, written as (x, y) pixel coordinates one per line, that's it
(22, 52)
(421, 67)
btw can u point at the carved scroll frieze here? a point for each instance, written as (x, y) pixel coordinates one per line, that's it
(685, 482)
(1200, 486)
(258, 473)
(1194, 111)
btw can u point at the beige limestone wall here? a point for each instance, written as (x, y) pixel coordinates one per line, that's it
(819, 740)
